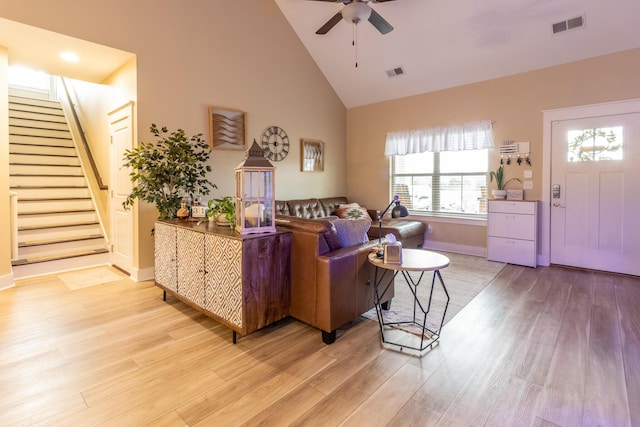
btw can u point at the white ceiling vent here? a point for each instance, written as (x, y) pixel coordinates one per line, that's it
(398, 71)
(569, 24)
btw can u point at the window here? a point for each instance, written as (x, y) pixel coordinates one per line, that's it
(445, 183)
(28, 78)
(442, 170)
(595, 144)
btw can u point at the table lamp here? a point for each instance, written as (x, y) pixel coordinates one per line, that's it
(397, 212)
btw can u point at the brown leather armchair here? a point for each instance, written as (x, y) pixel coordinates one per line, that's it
(332, 285)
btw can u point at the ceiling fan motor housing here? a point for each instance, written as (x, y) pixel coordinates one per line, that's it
(356, 12)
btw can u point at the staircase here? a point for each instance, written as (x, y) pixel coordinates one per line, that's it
(58, 227)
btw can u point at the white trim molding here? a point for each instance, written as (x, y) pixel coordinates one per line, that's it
(6, 282)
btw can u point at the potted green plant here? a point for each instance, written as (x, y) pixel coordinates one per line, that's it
(222, 210)
(501, 184)
(166, 171)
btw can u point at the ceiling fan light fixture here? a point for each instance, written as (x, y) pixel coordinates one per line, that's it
(356, 12)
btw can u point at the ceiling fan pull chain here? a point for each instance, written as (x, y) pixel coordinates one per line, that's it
(355, 41)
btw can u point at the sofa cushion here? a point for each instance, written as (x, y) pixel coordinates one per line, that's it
(307, 208)
(330, 204)
(353, 212)
(282, 208)
(352, 232)
(331, 236)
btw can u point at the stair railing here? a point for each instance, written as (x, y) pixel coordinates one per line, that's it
(83, 137)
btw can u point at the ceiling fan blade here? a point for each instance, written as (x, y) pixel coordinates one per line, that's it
(380, 23)
(330, 23)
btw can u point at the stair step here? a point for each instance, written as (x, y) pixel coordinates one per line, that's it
(55, 219)
(37, 206)
(43, 159)
(19, 112)
(47, 133)
(21, 149)
(39, 140)
(45, 170)
(33, 260)
(52, 180)
(62, 231)
(22, 270)
(27, 123)
(34, 103)
(55, 248)
(43, 192)
(54, 199)
(59, 240)
(45, 226)
(52, 212)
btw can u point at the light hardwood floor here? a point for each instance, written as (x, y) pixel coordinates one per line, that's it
(538, 347)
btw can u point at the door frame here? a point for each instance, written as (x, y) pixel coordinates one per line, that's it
(568, 113)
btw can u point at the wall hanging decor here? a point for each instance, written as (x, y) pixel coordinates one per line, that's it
(311, 155)
(227, 129)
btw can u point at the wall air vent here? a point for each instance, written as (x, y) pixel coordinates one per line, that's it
(569, 24)
(398, 71)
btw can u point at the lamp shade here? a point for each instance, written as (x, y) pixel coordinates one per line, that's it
(399, 211)
(356, 12)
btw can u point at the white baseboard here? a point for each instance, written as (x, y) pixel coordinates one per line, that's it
(144, 274)
(6, 282)
(452, 247)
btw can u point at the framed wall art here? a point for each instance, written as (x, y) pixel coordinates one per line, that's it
(227, 129)
(311, 155)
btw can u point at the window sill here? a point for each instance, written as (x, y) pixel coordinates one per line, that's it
(448, 219)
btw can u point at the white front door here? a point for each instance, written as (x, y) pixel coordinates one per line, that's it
(122, 230)
(595, 193)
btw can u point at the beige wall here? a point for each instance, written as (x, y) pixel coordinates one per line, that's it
(515, 103)
(6, 277)
(239, 54)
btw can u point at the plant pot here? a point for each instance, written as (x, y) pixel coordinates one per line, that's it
(499, 194)
(221, 219)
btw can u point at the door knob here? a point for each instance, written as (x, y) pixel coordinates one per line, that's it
(557, 205)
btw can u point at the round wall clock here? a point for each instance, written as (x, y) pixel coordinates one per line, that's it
(275, 143)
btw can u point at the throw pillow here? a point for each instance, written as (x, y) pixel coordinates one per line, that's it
(353, 212)
(352, 231)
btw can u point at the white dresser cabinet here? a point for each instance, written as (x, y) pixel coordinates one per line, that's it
(512, 232)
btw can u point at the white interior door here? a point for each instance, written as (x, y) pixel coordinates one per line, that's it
(595, 193)
(122, 225)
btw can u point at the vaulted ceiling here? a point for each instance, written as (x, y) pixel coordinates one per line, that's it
(438, 43)
(446, 43)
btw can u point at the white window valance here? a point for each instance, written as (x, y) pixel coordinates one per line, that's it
(467, 136)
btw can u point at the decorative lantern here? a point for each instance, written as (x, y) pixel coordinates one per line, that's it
(255, 204)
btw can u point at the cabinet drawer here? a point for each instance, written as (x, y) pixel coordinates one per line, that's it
(512, 207)
(514, 226)
(513, 251)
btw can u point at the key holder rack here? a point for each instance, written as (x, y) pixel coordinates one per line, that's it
(514, 150)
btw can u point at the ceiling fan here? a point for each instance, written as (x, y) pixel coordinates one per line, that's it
(354, 12)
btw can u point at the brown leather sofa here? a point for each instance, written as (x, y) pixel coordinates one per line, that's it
(332, 285)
